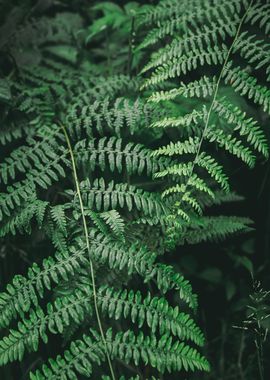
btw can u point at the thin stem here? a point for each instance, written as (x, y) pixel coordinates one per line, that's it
(240, 356)
(78, 190)
(130, 48)
(258, 344)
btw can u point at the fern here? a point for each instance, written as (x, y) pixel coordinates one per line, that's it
(127, 346)
(199, 47)
(104, 170)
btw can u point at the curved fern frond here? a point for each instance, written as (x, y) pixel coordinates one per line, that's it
(41, 176)
(185, 16)
(211, 228)
(255, 51)
(247, 85)
(213, 169)
(260, 13)
(199, 88)
(179, 148)
(231, 144)
(36, 154)
(193, 41)
(119, 195)
(103, 116)
(112, 153)
(22, 218)
(189, 121)
(188, 62)
(246, 126)
(162, 354)
(153, 311)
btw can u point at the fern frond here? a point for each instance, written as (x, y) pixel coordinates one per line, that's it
(220, 198)
(155, 312)
(247, 85)
(112, 153)
(21, 219)
(199, 88)
(114, 220)
(213, 169)
(58, 216)
(29, 331)
(188, 62)
(213, 228)
(178, 148)
(188, 121)
(183, 169)
(103, 115)
(31, 156)
(231, 144)
(161, 354)
(11, 133)
(105, 197)
(185, 16)
(246, 126)
(25, 291)
(255, 51)
(168, 279)
(42, 176)
(205, 35)
(260, 13)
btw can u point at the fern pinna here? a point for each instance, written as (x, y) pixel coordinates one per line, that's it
(85, 174)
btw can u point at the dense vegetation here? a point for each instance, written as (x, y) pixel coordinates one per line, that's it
(134, 237)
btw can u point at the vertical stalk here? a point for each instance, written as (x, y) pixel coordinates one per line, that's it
(130, 52)
(86, 234)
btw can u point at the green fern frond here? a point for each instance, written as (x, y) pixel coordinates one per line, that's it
(106, 197)
(231, 144)
(36, 154)
(206, 35)
(211, 228)
(115, 222)
(29, 331)
(112, 153)
(21, 219)
(260, 13)
(42, 176)
(199, 88)
(183, 169)
(182, 17)
(146, 157)
(255, 51)
(219, 198)
(103, 115)
(213, 169)
(58, 216)
(188, 121)
(246, 126)
(162, 354)
(153, 311)
(247, 85)
(178, 148)
(188, 62)
(25, 291)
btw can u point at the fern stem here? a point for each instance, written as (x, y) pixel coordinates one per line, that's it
(130, 47)
(75, 175)
(216, 90)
